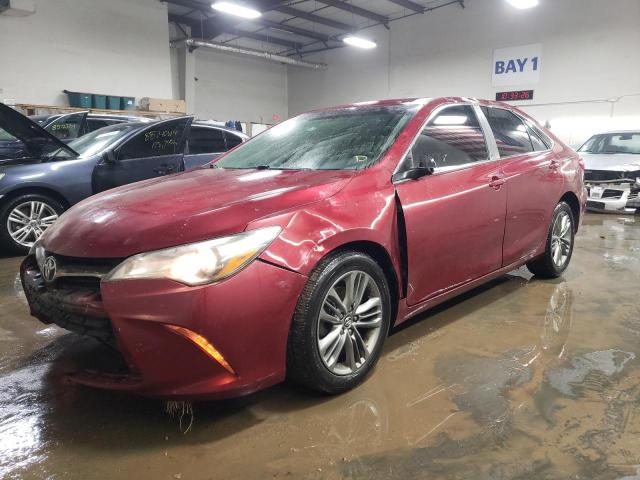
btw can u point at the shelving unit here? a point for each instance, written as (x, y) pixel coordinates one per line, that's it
(33, 109)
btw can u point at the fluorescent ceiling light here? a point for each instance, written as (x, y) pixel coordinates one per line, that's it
(359, 42)
(522, 4)
(235, 9)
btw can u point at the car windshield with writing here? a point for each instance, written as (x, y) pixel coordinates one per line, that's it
(608, 143)
(342, 139)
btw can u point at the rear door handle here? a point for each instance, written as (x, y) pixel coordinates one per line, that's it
(554, 164)
(496, 182)
(164, 169)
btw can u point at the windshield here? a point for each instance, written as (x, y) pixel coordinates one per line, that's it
(613, 143)
(95, 141)
(345, 139)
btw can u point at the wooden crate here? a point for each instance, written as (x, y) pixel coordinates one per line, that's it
(162, 105)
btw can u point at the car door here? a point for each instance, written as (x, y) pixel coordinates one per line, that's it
(534, 182)
(68, 127)
(204, 143)
(454, 217)
(153, 151)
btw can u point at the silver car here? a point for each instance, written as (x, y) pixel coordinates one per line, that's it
(612, 171)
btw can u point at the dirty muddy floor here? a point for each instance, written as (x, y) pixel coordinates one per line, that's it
(521, 378)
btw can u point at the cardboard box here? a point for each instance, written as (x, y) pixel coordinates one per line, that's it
(162, 105)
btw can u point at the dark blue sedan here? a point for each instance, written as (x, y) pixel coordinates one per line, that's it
(50, 175)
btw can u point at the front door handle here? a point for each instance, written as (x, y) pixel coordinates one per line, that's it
(496, 182)
(554, 165)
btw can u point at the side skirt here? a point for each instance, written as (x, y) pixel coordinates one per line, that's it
(406, 311)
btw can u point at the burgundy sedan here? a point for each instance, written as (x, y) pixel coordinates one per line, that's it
(295, 253)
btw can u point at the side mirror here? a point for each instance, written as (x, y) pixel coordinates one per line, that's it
(109, 157)
(412, 174)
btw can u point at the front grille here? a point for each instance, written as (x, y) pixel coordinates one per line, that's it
(597, 205)
(88, 268)
(610, 176)
(612, 193)
(73, 303)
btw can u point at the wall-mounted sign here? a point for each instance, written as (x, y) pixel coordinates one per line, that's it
(517, 65)
(514, 95)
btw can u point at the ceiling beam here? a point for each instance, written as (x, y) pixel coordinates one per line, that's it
(262, 38)
(294, 12)
(291, 29)
(209, 28)
(189, 4)
(416, 7)
(361, 12)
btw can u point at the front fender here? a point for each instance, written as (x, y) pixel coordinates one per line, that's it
(25, 187)
(313, 232)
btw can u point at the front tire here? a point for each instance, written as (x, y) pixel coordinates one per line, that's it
(24, 219)
(340, 323)
(559, 246)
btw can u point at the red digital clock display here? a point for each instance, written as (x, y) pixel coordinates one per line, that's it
(514, 96)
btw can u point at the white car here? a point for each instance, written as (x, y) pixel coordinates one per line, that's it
(612, 171)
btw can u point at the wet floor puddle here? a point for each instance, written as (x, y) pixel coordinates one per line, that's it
(522, 378)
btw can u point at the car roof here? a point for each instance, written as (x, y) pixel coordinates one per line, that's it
(422, 101)
(220, 127)
(199, 124)
(107, 116)
(95, 116)
(617, 132)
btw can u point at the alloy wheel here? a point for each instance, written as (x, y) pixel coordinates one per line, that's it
(349, 322)
(561, 238)
(28, 221)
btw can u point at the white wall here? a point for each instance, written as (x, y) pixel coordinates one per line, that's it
(118, 47)
(230, 87)
(590, 54)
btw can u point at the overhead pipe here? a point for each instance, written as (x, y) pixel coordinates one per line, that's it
(272, 57)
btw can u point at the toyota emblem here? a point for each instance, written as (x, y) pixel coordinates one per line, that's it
(49, 269)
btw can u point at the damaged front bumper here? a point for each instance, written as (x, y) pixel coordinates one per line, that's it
(614, 197)
(165, 331)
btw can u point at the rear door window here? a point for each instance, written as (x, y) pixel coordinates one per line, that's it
(536, 141)
(95, 124)
(512, 137)
(206, 140)
(232, 140)
(452, 138)
(67, 127)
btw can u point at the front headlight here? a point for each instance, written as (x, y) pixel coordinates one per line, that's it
(198, 263)
(2, 175)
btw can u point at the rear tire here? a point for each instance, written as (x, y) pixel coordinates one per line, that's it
(340, 323)
(559, 245)
(24, 218)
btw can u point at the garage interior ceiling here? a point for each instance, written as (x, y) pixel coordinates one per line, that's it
(294, 28)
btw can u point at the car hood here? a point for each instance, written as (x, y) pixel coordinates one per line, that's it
(184, 208)
(36, 139)
(617, 162)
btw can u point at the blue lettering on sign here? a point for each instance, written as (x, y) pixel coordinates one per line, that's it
(515, 65)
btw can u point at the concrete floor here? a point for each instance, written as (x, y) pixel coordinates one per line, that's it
(522, 378)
